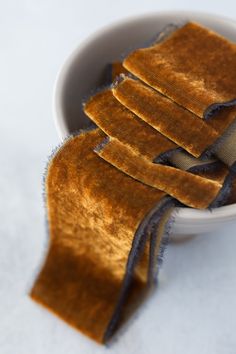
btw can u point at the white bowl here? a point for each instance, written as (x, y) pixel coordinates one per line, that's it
(84, 69)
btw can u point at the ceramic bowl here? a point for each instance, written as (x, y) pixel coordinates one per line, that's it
(84, 70)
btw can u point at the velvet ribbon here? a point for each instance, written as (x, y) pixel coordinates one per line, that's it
(135, 145)
(195, 67)
(110, 191)
(122, 124)
(106, 231)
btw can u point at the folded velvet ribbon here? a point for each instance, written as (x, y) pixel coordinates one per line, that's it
(108, 192)
(120, 123)
(195, 67)
(106, 232)
(170, 119)
(190, 189)
(105, 111)
(135, 145)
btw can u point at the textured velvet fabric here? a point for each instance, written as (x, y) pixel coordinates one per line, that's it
(173, 121)
(118, 122)
(191, 190)
(100, 220)
(108, 219)
(146, 145)
(176, 157)
(106, 233)
(117, 68)
(195, 67)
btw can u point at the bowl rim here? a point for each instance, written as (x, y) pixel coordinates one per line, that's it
(184, 214)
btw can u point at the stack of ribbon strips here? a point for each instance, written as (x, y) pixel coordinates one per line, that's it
(165, 136)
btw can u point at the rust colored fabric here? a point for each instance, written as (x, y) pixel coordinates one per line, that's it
(195, 67)
(177, 158)
(147, 145)
(112, 71)
(117, 68)
(191, 190)
(100, 222)
(108, 219)
(107, 113)
(120, 123)
(178, 124)
(170, 119)
(107, 233)
(103, 117)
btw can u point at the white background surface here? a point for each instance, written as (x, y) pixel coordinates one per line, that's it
(194, 308)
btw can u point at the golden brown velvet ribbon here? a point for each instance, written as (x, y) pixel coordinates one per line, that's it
(104, 113)
(120, 123)
(135, 145)
(175, 122)
(191, 190)
(195, 67)
(100, 221)
(107, 236)
(108, 225)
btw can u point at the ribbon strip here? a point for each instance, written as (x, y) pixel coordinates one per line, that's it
(175, 122)
(108, 225)
(191, 190)
(195, 67)
(101, 221)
